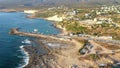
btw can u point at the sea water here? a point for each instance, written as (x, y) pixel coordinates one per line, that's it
(11, 53)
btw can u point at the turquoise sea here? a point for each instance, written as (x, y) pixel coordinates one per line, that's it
(11, 56)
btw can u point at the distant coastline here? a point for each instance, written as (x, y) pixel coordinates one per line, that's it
(8, 10)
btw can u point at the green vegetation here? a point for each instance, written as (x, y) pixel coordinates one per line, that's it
(83, 11)
(83, 18)
(94, 56)
(93, 14)
(73, 26)
(44, 15)
(115, 19)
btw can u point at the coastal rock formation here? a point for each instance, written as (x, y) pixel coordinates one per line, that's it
(52, 54)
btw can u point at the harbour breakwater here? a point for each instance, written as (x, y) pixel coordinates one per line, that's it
(15, 31)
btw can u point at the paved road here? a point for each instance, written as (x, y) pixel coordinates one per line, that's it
(109, 41)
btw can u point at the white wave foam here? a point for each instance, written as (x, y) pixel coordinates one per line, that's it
(26, 57)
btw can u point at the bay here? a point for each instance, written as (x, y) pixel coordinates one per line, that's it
(10, 52)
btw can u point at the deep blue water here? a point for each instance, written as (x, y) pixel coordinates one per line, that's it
(10, 54)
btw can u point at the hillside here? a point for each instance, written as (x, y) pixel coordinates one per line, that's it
(33, 3)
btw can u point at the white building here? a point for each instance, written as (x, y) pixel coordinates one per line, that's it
(105, 37)
(30, 11)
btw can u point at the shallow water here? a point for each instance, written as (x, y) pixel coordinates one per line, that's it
(10, 53)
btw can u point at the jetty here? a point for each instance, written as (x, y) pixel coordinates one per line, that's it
(15, 31)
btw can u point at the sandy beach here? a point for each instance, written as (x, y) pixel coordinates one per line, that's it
(55, 18)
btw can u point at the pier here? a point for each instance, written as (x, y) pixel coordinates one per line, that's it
(15, 31)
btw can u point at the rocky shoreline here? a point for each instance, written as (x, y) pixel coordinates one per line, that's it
(42, 55)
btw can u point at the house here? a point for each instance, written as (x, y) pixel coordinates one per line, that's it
(30, 11)
(87, 48)
(105, 37)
